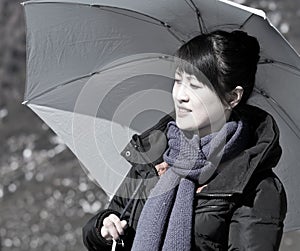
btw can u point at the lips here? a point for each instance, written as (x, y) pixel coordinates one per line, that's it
(181, 111)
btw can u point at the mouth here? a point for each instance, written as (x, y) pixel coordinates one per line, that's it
(182, 111)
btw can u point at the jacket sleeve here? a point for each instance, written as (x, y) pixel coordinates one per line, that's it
(92, 238)
(257, 222)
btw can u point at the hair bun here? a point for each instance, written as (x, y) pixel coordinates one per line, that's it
(240, 33)
(247, 42)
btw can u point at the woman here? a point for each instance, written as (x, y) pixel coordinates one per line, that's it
(216, 188)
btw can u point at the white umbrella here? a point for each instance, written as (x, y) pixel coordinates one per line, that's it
(94, 68)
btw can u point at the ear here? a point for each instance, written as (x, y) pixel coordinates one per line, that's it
(235, 96)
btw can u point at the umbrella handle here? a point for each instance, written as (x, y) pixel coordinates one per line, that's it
(132, 197)
(114, 246)
(115, 243)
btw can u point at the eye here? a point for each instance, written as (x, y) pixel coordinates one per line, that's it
(177, 81)
(195, 86)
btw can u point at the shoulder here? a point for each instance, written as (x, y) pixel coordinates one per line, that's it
(259, 215)
(264, 197)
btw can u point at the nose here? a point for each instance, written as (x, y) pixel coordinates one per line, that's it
(181, 94)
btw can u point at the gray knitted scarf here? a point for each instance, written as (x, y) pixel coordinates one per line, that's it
(166, 219)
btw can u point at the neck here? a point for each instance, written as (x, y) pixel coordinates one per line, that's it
(215, 127)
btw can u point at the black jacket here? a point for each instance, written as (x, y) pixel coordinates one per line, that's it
(242, 207)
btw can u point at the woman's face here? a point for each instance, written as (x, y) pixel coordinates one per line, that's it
(197, 107)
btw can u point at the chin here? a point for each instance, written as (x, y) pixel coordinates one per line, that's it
(184, 126)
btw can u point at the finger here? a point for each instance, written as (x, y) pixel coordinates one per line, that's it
(160, 165)
(124, 224)
(199, 189)
(114, 233)
(157, 168)
(117, 222)
(104, 233)
(165, 164)
(107, 222)
(111, 228)
(112, 219)
(162, 170)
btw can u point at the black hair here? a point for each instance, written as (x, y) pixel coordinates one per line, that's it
(226, 59)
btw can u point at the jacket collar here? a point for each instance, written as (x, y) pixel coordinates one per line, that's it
(147, 149)
(232, 176)
(263, 154)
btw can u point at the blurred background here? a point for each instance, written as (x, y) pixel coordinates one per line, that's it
(45, 196)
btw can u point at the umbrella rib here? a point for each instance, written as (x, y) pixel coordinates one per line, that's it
(103, 7)
(176, 36)
(295, 129)
(165, 57)
(271, 61)
(199, 17)
(188, 3)
(161, 23)
(246, 21)
(57, 86)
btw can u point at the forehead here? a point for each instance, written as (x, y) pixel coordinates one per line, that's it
(183, 74)
(200, 77)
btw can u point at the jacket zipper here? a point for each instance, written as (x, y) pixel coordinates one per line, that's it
(220, 195)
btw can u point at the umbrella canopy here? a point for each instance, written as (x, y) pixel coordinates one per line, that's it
(99, 71)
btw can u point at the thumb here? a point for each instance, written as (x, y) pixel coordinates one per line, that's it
(124, 224)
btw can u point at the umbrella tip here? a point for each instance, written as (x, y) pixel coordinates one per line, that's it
(25, 102)
(25, 2)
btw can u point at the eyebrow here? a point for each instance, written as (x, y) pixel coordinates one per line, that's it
(178, 75)
(188, 77)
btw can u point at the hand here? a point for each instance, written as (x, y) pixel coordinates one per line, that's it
(161, 168)
(199, 189)
(113, 227)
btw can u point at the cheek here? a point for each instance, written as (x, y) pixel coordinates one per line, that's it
(199, 102)
(215, 109)
(174, 92)
(208, 105)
